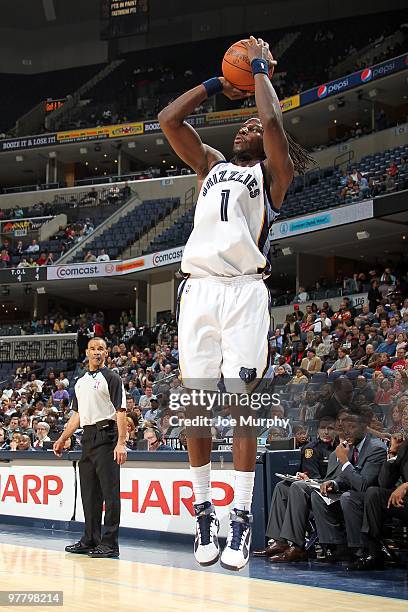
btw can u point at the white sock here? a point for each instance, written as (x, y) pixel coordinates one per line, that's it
(244, 486)
(201, 479)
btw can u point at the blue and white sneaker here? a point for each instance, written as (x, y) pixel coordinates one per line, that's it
(235, 555)
(206, 546)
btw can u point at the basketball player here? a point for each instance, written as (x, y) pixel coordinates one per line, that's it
(224, 315)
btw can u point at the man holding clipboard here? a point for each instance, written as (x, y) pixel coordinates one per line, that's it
(291, 499)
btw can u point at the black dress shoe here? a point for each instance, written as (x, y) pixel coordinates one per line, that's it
(293, 554)
(102, 551)
(78, 548)
(337, 556)
(366, 564)
(274, 548)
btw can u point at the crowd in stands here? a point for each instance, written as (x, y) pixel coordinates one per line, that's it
(355, 185)
(143, 84)
(338, 373)
(22, 253)
(362, 350)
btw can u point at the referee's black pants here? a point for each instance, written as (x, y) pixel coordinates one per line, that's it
(100, 482)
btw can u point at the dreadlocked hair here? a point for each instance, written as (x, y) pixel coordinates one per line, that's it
(299, 155)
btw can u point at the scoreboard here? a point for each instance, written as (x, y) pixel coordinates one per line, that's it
(124, 18)
(23, 275)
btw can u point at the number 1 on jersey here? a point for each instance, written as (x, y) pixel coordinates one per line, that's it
(224, 204)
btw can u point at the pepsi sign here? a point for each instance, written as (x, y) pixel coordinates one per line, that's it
(354, 80)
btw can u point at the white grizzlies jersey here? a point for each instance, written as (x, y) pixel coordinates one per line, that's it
(232, 220)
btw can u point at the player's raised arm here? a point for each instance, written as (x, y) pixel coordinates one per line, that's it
(182, 137)
(278, 162)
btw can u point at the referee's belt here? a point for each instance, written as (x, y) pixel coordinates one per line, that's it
(105, 424)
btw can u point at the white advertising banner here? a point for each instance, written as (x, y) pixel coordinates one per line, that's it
(115, 268)
(81, 270)
(322, 220)
(162, 499)
(37, 491)
(280, 230)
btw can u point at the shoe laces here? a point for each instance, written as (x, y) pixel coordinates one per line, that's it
(205, 516)
(240, 523)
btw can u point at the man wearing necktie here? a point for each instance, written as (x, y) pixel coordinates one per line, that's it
(361, 458)
(382, 503)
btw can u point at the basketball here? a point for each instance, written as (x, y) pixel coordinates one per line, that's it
(236, 68)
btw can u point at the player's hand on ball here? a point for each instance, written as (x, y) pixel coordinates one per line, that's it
(259, 49)
(232, 92)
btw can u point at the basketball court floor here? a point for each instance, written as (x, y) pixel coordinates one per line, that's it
(163, 577)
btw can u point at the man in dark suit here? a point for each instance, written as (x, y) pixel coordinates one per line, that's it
(361, 458)
(382, 503)
(339, 400)
(290, 505)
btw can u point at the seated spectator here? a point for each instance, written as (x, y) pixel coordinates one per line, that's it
(155, 440)
(363, 185)
(311, 363)
(19, 250)
(15, 440)
(89, 257)
(402, 341)
(299, 378)
(301, 296)
(321, 321)
(60, 393)
(399, 363)
(356, 350)
(4, 445)
(25, 425)
(33, 247)
(130, 331)
(42, 260)
(392, 169)
(388, 346)
(382, 503)
(301, 436)
(289, 513)
(131, 435)
(396, 416)
(360, 460)
(24, 444)
(4, 258)
(344, 178)
(41, 435)
(164, 421)
(282, 376)
(291, 331)
(341, 366)
(350, 190)
(103, 256)
(384, 394)
(152, 414)
(14, 425)
(336, 398)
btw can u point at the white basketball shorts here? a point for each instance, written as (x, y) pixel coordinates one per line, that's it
(223, 327)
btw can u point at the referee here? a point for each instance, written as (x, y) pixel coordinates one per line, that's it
(99, 405)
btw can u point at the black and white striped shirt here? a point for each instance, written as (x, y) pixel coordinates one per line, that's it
(98, 395)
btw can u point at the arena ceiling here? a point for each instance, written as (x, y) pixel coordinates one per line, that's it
(34, 14)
